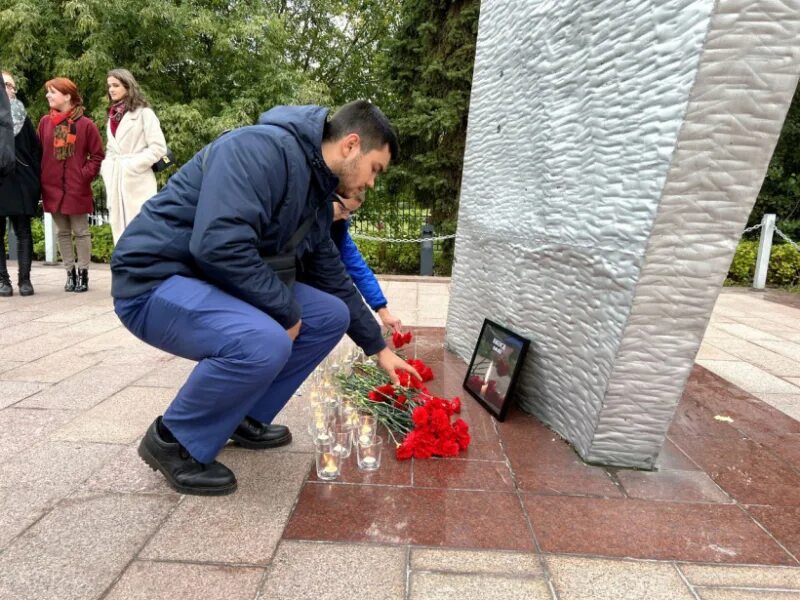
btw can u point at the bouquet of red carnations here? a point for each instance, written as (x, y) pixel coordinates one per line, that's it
(420, 424)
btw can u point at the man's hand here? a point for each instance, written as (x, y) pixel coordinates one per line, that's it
(294, 330)
(389, 361)
(389, 320)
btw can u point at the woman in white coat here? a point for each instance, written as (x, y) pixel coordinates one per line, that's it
(135, 143)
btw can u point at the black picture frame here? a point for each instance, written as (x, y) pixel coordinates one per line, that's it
(494, 369)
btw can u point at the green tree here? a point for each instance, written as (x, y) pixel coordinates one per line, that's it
(428, 65)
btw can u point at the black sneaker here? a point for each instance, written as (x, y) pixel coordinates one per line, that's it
(183, 473)
(254, 435)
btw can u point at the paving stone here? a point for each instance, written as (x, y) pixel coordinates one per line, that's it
(302, 570)
(148, 580)
(171, 374)
(748, 377)
(598, 579)
(52, 466)
(757, 577)
(79, 548)
(710, 352)
(126, 473)
(7, 365)
(444, 586)
(241, 528)
(522, 564)
(21, 429)
(120, 419)
(11, 392)
(53, 367)
(758, 355)
(85, 389)
(729, 594)
(20, 507)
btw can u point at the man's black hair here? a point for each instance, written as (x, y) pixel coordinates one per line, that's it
(365, 119)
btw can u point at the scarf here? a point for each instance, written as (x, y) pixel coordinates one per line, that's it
(65, 132)
(18, 115)
(115, 114)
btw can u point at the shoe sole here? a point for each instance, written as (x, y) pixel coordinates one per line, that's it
(151, 462)
(251, 445)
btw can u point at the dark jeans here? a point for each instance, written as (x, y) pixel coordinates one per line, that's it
(22, 229)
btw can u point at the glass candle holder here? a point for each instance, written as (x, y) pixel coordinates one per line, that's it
(342, 442)
(327, 462)
(320, 421)
(367, 426)
(369, 454)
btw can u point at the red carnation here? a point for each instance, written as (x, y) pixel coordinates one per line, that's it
(455, 403)
(401, 339)
(424, 370)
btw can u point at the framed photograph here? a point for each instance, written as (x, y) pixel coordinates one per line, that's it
(494, 368)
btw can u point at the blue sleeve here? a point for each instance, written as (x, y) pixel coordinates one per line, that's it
(243, 180)
(358, 270)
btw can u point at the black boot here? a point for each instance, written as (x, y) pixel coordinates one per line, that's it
(71, 281)
(82, 284)
(24, 255)
(254, 435)
(5, 285)
(182, 472)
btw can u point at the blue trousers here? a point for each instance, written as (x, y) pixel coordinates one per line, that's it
(247, 364)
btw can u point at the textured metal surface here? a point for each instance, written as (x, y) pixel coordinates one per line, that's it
(613, 154)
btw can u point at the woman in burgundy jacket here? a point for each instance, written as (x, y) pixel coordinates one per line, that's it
(71, 155)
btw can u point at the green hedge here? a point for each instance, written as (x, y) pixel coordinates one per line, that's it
(102, 241)
(784, 265)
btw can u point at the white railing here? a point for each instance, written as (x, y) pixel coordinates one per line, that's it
(768, 228)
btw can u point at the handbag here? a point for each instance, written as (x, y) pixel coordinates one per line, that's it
(283, 264)
(164, 162)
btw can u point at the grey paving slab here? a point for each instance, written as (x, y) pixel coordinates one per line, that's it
(242, 528)
(53, 466)
(79, 548)
(126, 473)
(747, 332)
(475, 561)
(20, 507)
(788, 349)
(760, 356)
(7, 365)
(445, 586)
(757, 577)
(708, 351)
(120, 419)
(82, 312)
(13, 317)
(171, 374)
(12, 392)
(52, 367)
(84, 390)
(15, 334)
(787, 403)
(729, 594)
(37, 347)
(308, 570)
(148, 580)
(748, 377)
(600, 579)
(21, 429)
(295, 419)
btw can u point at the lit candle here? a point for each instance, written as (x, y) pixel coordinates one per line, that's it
(323, 437)
(368, 461)
(330, 465)
(338, 449)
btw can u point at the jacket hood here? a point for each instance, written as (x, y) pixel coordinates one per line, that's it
(306, 123)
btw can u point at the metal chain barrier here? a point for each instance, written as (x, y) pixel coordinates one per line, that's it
(753, 228)
(787, 239)
(375, 238)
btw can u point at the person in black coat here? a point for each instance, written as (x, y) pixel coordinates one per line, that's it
(20, 193)
(6, 135)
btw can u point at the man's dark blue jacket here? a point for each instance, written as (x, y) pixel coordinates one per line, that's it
(213, 222)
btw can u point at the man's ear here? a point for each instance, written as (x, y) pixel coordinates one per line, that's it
(350, 145)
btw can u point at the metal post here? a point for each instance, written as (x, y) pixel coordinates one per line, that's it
(12, 240)
(426, 251)
(49, 240)
(764, 250)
